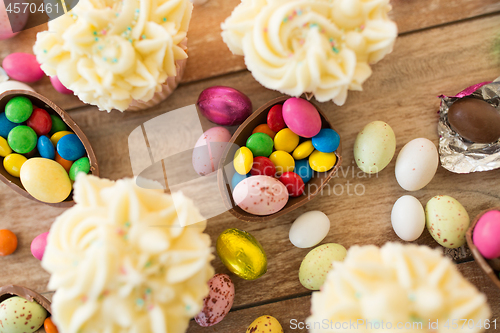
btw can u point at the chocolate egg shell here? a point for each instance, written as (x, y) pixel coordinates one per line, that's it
(224, 105)
(9, 291)
(475, 120)
(44, 103)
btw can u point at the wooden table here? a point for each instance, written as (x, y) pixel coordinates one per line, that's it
(443, 47)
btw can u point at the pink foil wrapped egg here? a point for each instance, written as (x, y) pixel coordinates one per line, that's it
(224, 105)
(18, 20)
(486, 235)
(301, 117)
(218, 302)
(38, 245)
(209, 149)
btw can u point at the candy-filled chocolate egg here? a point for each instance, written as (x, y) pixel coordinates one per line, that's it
(242, 254)
(18, 315)
(475, 120)
(486, 234)
(318, 262)
(208, 150)
(265, 324)
(301, 117)
(374, 147)
(447, 221)
(260, 195)
(416, 164)
(224, 105)
(218, 302)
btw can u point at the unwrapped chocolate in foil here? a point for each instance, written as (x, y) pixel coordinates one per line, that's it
(456, 153)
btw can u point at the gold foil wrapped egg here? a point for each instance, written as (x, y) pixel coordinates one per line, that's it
(242, 254)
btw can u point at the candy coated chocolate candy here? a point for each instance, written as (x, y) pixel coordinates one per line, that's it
(237, 178)
(40, 121)
(46, 148)
(12, 164)
(70, 147)
(209, 149)
(18, 109)
(301, 117)
(303, 150)
(46, 180)
(8, 242)
(265, 324)
(49, 326)
(322, 162)
(264, 128)
(14, 85)
(64, 163)
(275, 118)
(11, 23)
(286, 140)
(59, 86)
(309, 229)
(22, 67)
(242, 254)
(475, 120)
(224, 105)
(260, 195)
(303, 169)
(80, 165)
(283, 161)
(293, 183)
(260, 144)
(6, 125)
(20, 315)
(218, 302)
(326, 141)
(4, 147)
(486, 234)
(243, 160)
(263, 166)
(318, 262)
(22, 139)
(58, 125)
(38, 245)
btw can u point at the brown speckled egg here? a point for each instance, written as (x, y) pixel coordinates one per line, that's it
(18, 315)
(260, 195)
(265, 324)
(218, 302)
(318, 262)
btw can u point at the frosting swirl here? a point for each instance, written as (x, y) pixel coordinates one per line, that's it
(122, 261)
(320, 46)
(396, 284)
(113, 52)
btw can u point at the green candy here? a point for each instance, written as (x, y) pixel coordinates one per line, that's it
(80, 165)
(58, 124)
(260, 144)
(18, 109)
(22, 139)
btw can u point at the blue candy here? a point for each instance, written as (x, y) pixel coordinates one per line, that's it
(46, 148)
(70, 147)
(6, 125)
(303, 169)
(326, 141)
(237, 178)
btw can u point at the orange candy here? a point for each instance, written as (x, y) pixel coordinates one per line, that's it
(49, 326)
(8, 242)
(65, 163)
(264, 128)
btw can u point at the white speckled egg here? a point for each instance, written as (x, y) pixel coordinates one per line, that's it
(209, 149)
(374, 147)
(447, 221)
(18, 315)
(260, 195)
(416, 164)
(218, 302)
(309, 229)
(318, 262)
(408, 218)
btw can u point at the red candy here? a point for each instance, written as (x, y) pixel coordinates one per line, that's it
(40, 122)
(293, 183)
(263, 166)
(275, 118)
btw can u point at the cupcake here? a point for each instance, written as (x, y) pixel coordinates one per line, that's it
(322, 48)
(126, 55)
(378, 289)
(126, 259)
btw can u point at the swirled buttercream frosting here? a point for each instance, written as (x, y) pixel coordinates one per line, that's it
(123, 260)
(323, 47)
(111, 52)
(405, 286)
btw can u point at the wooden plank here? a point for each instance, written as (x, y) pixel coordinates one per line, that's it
(402, 92)
(209, 56)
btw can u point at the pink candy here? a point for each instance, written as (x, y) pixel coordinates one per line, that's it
(59, 86)
(38, 245)
(486, 235)
(218, 302)
(301, 117)
(22, 67)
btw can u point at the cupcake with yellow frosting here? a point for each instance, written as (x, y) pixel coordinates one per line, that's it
(320, 47)
(126, 55)
(406, 287)
(127, 259)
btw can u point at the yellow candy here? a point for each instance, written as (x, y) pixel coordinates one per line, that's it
(303, 150)
(322, 162)
(12, 164)
(283, 161)
(286, 140)
(265, 324)
(57, 136)
(4, 147)
(243, 160)
(46, 180)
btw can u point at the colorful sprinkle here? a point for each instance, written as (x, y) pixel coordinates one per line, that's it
(127, 224)
(143, 37)
(265, 29)
(164, 19)
(148, 291)
(44, 51)
(104, 32)
(96, 39)
(336, 50)
(84, 298)
(95, 33)
(148, 264)
(115, 60)
(140, 302)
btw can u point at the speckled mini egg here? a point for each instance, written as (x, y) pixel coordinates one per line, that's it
(265, 324)
(18, 315)
(208, 150)
(374, 147)
(318, 262)
(218, 302)
(260, 195)
(447, 221)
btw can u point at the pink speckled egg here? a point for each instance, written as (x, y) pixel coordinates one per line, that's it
(218, 302)
(208, 150)
(59, 86)
(486, 235)
(260, 195)
(22, 67)
(38, 245)
(301, 117)
(18, 20)
(224, 105)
